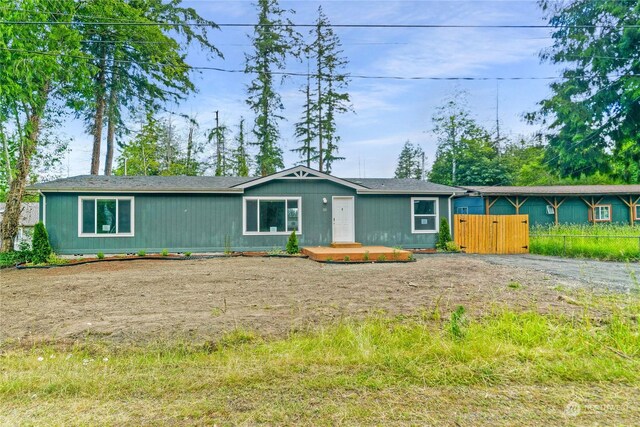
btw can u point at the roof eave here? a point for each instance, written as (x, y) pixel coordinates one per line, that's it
(125, 190)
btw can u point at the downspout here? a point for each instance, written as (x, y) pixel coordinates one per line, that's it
(451, 215)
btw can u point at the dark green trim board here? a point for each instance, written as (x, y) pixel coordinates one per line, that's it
(212, 222)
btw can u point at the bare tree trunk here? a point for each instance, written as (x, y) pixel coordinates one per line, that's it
(99, 118)
(13, 207)
(111, 127)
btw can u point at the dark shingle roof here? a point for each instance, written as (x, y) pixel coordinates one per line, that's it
(88, 183)
(560, 190)
(142, 183)
(408, 185)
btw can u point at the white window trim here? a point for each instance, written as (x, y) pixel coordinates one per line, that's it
(465, 210)
(597, 208)
(637, 212)
(271, 199)
(95, 199)
(413, 215)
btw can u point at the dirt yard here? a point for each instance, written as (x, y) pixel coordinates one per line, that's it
(200, 299)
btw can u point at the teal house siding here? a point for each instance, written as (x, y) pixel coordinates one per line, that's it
(213, 222)
(572, 211)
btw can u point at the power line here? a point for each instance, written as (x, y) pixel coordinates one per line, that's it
(381, 26)
(292, 73)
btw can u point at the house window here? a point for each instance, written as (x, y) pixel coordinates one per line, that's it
(602, 213)
(462, 210)
(424, 215)
(637, 210)
(272, 215)
(105, 216)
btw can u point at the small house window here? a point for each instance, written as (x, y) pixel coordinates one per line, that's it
(272, 215)
(105, 216)
(637, 212)
(424, 215)
(463, 210)
(602, 213)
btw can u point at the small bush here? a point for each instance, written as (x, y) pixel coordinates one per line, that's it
(53, 259)
(100, 255)
(382, 258)
(444, 235)
(292, 244)
(347, 258)
(366, 255)
(452, 247)
(141, 253)
(165, 252)
(40, 244)
(187, 254)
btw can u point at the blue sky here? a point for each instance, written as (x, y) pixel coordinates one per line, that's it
(386, 112)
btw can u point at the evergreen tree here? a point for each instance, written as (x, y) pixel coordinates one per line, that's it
(306, 128)
(273, 41)
(410, 162)
(130, 62)
(331, 83)
(593, 115)
(240, 155)
(217, 136)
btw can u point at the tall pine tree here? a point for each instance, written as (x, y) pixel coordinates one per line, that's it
(273, 42)
(306, 128)
(410, 162)
(240, 156)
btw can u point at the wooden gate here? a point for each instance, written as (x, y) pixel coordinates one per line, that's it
(492, 234)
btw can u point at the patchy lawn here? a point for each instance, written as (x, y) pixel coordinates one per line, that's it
(293, 342)
(200, 299)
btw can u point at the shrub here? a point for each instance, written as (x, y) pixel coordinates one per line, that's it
(100, 255)
(165, 252)
(444, 235)
(40, 244)
(347, 258)
(382, 258)
(292, 244)
(141, 253)
(187, 254)
(366, 255)
(452, 247)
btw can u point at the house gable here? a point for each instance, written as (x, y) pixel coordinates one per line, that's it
(300, 173)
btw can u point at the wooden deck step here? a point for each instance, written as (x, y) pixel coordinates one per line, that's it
(365, 253)
(346, 245)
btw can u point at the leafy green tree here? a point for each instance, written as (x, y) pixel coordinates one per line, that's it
(273, 42)
(410, 162)
(39, 57)
(136, 67)
(593, 115)
(466, 154)
(444, 235)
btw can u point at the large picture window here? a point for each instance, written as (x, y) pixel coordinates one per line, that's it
(272, 215)
(105, 216)
(424, 215)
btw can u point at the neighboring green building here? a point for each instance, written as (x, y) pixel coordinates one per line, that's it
(127, 214)
(556, 204)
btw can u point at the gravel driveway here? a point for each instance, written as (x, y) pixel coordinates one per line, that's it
(616, 276)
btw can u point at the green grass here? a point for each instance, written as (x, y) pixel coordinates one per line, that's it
(604, 241)
(381, 362)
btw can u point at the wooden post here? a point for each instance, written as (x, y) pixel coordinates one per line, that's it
(632, 205)
(517, 204)
(488, 204)
(556, 206)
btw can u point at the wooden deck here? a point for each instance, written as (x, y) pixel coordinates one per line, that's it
(363, 253)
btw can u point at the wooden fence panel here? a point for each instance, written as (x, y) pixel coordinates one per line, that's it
(492, 234)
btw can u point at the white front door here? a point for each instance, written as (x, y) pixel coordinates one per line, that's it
(343, 220)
